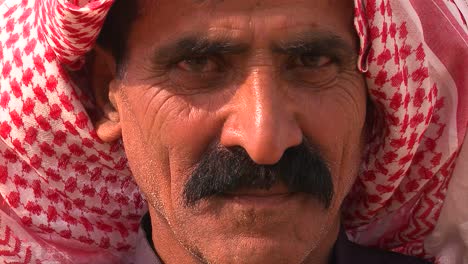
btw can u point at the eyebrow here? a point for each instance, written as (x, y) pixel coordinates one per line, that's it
(317, 43)
(194, 46)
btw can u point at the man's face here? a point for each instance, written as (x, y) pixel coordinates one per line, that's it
(258, 77)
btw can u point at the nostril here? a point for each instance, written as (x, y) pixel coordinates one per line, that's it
(265, 144)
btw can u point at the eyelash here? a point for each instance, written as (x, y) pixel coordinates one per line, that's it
(222, 63)
(187, 81)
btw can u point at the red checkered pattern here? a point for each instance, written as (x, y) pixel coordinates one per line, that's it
(65, 192)
(410, 155)
(61, 183)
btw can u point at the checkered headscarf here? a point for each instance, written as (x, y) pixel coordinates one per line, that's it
(67, 197)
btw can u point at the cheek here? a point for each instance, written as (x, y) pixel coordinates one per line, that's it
(186, 139)
(147, 158)
(164, 136)
(334, 121)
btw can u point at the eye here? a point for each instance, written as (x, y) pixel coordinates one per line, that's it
(198, 64)
(310, 70)
(312, 61)
(199, 73)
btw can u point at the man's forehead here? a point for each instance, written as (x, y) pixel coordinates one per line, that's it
(244, 7)
(230, 3)
(245, 19)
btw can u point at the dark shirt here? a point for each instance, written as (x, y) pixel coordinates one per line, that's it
(344, 251)
(347, 252)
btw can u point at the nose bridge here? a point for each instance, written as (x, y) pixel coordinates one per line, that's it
(263, 123)
(265, 110)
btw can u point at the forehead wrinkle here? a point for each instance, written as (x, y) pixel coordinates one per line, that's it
(252, 26)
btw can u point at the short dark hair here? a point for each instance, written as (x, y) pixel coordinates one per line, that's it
(116, 30)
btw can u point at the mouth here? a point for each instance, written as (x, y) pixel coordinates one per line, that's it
(261, 198)
(276, 189)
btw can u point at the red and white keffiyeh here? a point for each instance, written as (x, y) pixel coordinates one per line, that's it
(67, 197)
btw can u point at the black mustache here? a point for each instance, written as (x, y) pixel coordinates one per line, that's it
(222, 170)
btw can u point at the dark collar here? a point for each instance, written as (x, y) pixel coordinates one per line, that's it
(145, 224)
(347, 252)
(145, 252)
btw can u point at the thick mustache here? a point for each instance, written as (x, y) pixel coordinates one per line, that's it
(222, 170)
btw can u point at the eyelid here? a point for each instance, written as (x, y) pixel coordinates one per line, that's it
(219, 62)
(317, 59)
(292, 62)
(337, 55)
(187, 64)
(178, 59)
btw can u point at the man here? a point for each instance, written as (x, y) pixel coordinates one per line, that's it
(275, 107)
(245, 124)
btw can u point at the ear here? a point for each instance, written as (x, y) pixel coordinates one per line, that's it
(104, 85)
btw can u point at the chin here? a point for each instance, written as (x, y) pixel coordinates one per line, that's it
(257, 250)
(260, 238)
(250, 230)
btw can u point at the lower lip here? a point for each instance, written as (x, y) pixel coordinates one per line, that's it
(259, 201)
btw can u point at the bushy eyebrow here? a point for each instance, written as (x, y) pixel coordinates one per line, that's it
(196, 46)
(315, 43)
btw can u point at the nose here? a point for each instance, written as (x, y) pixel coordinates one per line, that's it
(262, 119)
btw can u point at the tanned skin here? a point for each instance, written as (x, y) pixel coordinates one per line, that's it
(269, 74)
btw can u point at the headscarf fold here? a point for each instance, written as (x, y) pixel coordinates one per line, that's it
(417, 83)
(67, 197)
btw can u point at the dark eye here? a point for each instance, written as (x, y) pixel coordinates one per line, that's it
(199, 73)
(198, 64)
(312, 61)
(309, 70)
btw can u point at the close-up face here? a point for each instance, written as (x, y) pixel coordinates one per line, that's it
(243, 122)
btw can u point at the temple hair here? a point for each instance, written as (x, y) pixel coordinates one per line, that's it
(116, 30)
